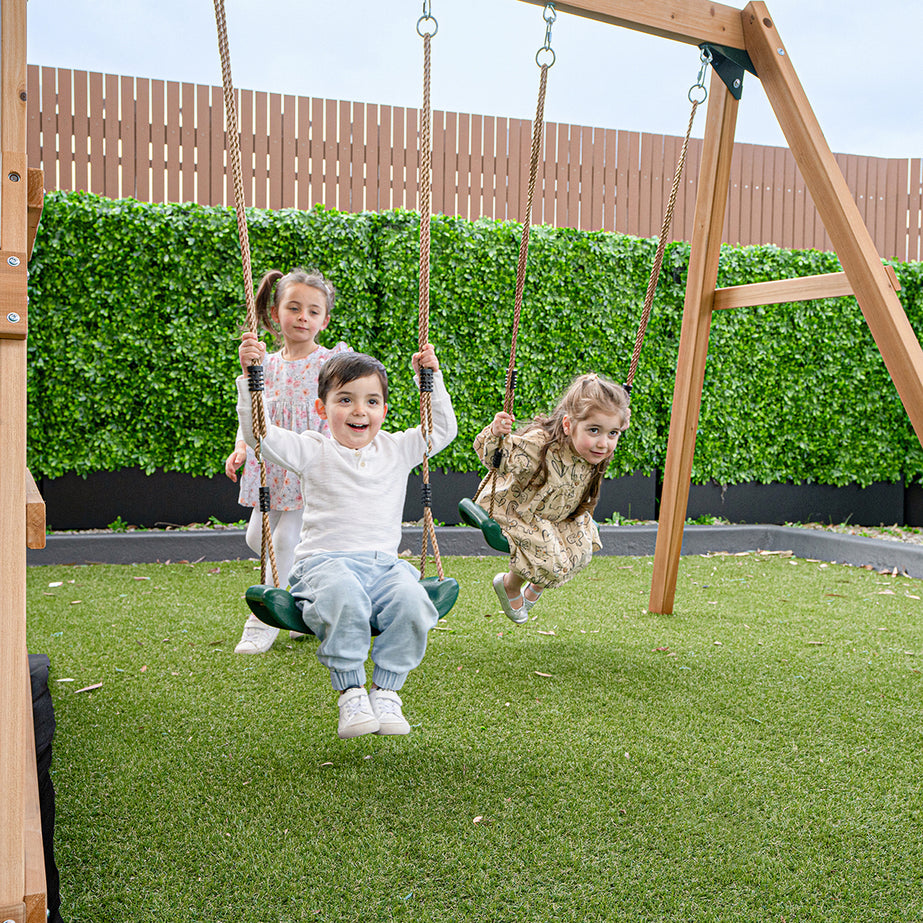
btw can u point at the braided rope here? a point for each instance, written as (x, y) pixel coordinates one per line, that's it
(426, 198)
(658, 258)
(233, 147)
(538, 127)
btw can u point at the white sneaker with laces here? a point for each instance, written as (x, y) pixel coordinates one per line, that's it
(386, 704)
(356, 715)
(257, 637)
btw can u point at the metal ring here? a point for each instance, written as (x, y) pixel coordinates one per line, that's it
(421, 32)
(692, 89)
(550, 51)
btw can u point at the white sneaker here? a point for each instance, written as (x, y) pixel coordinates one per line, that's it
(301, 635)
(257, 637)
(356, 715)
(386, 704)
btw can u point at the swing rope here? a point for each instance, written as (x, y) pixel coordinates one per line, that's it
(470, 511)
(255, 370)
(538, 126)
(706, 58)
(426, 22)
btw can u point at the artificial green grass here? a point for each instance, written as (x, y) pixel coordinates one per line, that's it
(753, 757)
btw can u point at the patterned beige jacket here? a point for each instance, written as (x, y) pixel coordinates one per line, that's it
(546, 547)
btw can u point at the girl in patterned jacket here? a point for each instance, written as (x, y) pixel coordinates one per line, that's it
(295, 307)
(547, 486)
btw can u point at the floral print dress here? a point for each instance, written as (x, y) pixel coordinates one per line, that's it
(546, 547)
(289, 396)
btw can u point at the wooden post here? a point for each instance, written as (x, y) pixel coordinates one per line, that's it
(15, 707)
(711, 201)
(880, 305)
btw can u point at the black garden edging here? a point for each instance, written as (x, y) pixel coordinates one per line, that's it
(169, 498)
(229, 544)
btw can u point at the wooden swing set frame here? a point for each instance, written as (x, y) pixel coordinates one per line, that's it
(750, 33)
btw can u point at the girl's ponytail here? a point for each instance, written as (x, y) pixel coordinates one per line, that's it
(264, 300)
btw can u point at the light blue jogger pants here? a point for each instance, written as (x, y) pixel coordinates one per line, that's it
(344, 597)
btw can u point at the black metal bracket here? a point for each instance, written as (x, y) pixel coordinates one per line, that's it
(729, 65)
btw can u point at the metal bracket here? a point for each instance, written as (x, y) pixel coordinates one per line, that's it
(729, 65)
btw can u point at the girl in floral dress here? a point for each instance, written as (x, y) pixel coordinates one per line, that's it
(547, 486)
(295, 307)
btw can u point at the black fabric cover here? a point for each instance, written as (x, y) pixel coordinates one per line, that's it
(43, 720)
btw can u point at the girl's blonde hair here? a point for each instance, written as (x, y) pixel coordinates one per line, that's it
(585, 395)
(272, 288)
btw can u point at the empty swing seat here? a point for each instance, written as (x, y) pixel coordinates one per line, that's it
(473, 514)
(277, 607)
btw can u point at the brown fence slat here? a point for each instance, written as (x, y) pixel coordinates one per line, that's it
(915, 211)
(608, 178)
(187, 141)
(562, 216)
(464, 165)
(172, 122)
(260, 176)
(49, 126)
(317, 151)
(217, 146)
(111, 136)
(411, 147)
(143, 139)
(203, 146)
(476, 170)
(158, 141)
(357, 157)
(489, 167)
(274, 159)
(287, 153)
(95, 121)
(128, 123)
(344, 155)
(34, 118)
(303, 153)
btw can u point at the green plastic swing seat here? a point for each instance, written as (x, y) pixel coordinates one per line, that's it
(473, 514)
(277, 607)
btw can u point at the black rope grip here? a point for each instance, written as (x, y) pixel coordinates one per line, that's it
(426, 380)
(265, 502)
(511, 380)
(496, 458)
(427, 496)
(255, 377)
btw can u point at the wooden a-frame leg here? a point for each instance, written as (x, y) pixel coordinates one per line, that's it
(880, 305)
(711, 202)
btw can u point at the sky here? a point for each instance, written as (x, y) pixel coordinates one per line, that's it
(859, 62)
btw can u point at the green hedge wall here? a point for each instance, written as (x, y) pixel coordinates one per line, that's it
(135, 310)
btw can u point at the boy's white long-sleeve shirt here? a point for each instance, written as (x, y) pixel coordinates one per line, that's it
(353, 498)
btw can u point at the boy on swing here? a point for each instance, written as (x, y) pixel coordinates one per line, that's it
(347, 578)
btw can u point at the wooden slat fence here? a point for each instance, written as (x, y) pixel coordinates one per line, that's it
(163, 141)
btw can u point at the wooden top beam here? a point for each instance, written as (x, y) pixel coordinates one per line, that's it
(689, 21)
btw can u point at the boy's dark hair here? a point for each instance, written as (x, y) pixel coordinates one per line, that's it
(346, 367)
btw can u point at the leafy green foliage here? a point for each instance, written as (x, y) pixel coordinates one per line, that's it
(135, 310)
